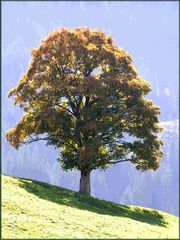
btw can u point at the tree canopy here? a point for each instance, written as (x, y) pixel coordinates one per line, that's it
(82, 94)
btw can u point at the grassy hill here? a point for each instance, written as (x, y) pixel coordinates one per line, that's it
(32, 209)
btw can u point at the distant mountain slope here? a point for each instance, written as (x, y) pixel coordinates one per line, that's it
(32, 209)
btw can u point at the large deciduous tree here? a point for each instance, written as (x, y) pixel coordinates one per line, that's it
(82, 94)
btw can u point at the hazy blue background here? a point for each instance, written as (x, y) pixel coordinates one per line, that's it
(147, 30)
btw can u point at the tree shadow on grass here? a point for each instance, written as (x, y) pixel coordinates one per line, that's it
(73, 199)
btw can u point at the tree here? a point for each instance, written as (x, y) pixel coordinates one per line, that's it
(82, 94)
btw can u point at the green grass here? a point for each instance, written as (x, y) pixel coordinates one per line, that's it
(32, 209)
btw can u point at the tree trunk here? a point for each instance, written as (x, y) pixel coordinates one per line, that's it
(85, 183)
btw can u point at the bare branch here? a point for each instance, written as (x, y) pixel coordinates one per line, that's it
(124, 160)
(35, 140)
(114, 162)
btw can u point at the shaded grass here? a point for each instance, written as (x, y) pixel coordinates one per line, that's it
(80, 201)
(33, 209)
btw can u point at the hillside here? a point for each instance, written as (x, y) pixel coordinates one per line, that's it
(32, 209)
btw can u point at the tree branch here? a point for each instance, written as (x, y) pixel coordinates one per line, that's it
(124, 160)
(73, 107)
(69, 144)
(87, 101)
(35, 140)
(79, 102)
(56, 104)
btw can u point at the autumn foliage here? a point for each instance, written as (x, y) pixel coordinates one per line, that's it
(82, 94)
